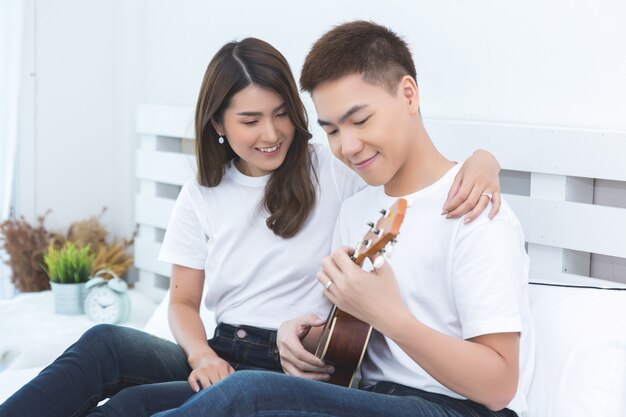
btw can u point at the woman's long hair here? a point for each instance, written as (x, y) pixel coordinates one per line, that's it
(290, 192)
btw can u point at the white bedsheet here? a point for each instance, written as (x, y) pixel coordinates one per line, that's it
(32, 335)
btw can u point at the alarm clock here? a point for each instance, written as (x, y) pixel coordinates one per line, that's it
(107, 301)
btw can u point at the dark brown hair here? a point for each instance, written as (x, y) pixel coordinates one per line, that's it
(290, 193)
(361, 47)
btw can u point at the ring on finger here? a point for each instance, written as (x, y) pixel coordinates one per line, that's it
(328, 284)
(488, 195)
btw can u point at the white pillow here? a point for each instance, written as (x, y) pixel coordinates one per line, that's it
(580, 368)
(158, 324)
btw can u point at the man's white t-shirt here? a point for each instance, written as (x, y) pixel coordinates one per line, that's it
(464, 280)
(254, 277)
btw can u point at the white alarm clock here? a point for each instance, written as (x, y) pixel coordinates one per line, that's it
(107, 300)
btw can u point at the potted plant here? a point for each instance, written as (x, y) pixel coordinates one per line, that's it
(68, 268)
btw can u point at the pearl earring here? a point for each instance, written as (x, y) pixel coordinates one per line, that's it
(221, 140)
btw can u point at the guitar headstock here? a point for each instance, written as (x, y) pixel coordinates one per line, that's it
(381, 234)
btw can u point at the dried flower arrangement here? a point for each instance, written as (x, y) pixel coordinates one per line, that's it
(109, 255)
(26, 246)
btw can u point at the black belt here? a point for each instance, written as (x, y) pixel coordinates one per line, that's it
(246, 332)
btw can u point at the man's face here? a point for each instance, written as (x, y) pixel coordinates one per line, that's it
(368, 127)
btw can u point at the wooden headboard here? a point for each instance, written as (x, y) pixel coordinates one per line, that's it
(568, 187)
(164, 162)
(565, 185)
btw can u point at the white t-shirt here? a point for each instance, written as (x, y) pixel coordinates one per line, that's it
(254, 277)
(463, 280)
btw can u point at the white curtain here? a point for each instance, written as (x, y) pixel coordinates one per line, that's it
(11, 41)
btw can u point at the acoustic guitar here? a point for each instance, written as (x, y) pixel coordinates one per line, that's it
(344, 338)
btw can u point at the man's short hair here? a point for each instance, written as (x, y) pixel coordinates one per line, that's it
(366, 48)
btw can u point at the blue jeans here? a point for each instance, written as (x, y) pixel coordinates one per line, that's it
(140, 373)
(247, 394)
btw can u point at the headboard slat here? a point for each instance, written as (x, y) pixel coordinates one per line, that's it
(153, 211)
(548, 150)
(166, 167)
(568, 225)
(173, 121)
(146, 253)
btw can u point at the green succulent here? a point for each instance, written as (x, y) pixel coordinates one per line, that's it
(70, 264)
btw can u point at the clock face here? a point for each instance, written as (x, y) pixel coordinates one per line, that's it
(103, 305)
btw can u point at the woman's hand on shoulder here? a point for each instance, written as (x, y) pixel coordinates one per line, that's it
(475, 184)
(207, 371)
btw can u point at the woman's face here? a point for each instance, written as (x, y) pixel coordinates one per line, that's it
(258, 129)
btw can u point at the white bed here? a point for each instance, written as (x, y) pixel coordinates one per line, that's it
(552, 180)
(32, 335)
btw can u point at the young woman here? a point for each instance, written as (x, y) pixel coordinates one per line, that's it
(252, 227)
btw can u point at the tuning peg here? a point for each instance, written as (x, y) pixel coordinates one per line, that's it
(383, 212)
(356, 251)
(371, 225)
(379, 261)
(389, 248)
(375, 231)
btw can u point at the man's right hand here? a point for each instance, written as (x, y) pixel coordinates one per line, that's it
(294, 358)
(208, 371)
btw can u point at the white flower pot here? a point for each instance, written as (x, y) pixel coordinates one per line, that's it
(69, 298)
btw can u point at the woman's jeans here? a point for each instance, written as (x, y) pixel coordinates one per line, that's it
(142, 374)
(265, 394)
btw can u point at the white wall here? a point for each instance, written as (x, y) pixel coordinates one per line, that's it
(534, 62)
(77, 128)
(558, 63)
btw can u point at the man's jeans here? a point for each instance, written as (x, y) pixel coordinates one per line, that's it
(265, 394)
(142, 374)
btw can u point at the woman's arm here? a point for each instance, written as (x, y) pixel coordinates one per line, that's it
(188, 330)
(478, 175)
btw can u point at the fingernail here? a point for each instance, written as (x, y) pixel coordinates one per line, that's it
(326, 377)
(466, 220)
(444, 212)
(331, 370)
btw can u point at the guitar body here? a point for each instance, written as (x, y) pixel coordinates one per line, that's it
(342, 344)
(344, 339)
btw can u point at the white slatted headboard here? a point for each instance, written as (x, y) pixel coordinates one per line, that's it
(563, 181)
(164, 162)
(556, 180)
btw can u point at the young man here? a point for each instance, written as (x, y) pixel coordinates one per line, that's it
(452, 325)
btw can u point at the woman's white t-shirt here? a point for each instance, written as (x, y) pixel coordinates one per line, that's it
(254, 277)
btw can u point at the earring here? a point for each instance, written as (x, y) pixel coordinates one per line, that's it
(220, 140)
